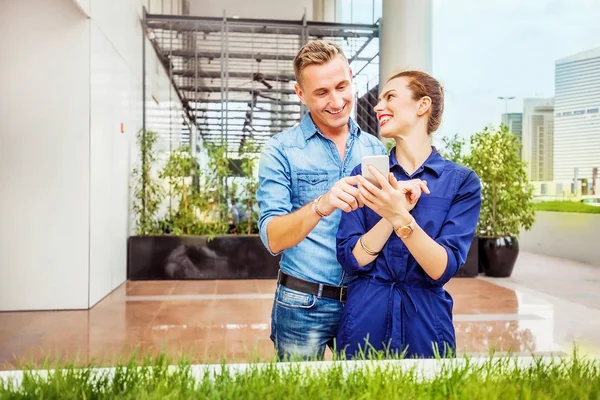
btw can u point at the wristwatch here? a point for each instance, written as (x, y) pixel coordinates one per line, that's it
(405, 231)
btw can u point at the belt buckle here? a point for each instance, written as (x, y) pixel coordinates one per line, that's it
(343, 291)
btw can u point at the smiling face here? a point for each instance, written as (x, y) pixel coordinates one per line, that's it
(397, 110)
(326, 90)
(411, 102)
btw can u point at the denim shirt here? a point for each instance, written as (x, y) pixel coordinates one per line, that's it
(296, 166)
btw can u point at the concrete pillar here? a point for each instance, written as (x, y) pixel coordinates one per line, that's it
(324, 10)
(405, 37)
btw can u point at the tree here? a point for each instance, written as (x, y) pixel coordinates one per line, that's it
(506, 192)
(453, 149)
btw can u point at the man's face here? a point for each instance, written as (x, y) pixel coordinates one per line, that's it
(327, 92)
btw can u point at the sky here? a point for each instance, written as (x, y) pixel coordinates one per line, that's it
(483, 49)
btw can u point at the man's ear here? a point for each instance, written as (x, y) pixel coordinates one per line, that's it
(299, 93)
(424, 105)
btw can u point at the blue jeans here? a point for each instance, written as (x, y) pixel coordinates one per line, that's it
(303, 324)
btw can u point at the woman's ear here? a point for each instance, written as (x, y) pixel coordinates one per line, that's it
(424, 106)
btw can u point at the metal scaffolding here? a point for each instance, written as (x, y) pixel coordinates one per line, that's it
(234, 77)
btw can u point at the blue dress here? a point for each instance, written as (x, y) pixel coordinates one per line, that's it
(392, 304)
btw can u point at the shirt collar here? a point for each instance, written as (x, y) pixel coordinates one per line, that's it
(435, 162)
(309, 129)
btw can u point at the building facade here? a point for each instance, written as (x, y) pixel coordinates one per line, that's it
(538, 138)
(577, 119)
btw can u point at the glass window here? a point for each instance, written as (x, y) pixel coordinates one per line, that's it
(557, 114)
(357, 11)
(567, 113)
(579, 112)
(593, 110)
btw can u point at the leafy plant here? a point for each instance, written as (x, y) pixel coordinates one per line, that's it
(196, 209)
(215, 191)
(197, 200)
(249, 159)
(453, 149)
(506, 192)
(147, 191)
(181, 167)
(389, 144)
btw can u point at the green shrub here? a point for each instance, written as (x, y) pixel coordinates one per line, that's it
(566, 206)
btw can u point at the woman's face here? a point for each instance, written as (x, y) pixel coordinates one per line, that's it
(397, 111)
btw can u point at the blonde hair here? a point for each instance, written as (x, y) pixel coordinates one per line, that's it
(316, 52)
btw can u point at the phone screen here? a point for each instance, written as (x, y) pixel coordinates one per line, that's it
(381, 163)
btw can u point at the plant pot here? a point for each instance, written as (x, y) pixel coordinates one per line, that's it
(194, 257)
(470, 268)
(498, 255)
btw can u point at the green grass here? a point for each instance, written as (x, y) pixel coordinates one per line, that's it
(566, 206)
(571, 377)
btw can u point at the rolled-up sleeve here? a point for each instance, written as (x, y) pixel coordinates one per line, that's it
(458, 230)
(274, 192)
(352, 227)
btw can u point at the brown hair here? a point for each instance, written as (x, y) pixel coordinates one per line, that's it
(422, 84)
(315, 52)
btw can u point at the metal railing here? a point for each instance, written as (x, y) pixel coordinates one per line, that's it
(234, 77)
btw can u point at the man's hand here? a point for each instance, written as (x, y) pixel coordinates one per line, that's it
(342, 195)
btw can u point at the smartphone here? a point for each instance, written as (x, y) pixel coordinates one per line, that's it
(381, 163)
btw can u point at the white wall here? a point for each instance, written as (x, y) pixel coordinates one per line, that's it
(116, 97)
(573, 236)
(64, 164)
(44, 155)
(84, 6)
(261, 9)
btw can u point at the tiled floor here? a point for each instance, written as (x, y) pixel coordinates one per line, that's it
(544, 307)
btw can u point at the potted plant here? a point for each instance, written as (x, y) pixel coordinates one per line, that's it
(183, 217)
(453, 150)
(506, 194)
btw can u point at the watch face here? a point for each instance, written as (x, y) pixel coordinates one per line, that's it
(405, 232)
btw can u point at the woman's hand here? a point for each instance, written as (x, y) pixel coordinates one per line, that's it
(394, 199)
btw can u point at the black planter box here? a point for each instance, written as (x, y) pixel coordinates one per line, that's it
(470, 269)
(195, 257)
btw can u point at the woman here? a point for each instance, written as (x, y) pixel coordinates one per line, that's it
(404, 245)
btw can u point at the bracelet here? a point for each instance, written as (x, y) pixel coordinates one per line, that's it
(366, 249)
(316, 207)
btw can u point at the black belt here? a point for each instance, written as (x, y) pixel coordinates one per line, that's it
(317, 289)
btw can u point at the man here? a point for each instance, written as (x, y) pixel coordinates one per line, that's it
(303, 185)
